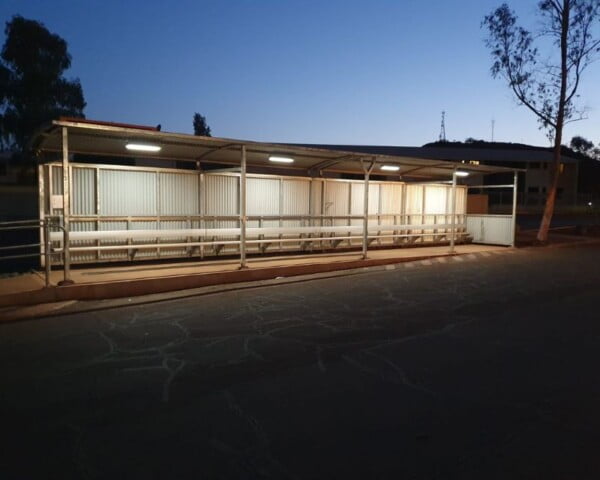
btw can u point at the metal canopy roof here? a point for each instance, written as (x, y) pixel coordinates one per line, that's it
(109, 139)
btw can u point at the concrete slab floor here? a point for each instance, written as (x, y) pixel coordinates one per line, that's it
(82, 274)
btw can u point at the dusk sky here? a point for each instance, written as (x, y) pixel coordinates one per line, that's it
(351, 72)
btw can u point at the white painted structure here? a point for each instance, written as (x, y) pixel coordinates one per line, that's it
(189, 213)
(491, 229)
(116, 212)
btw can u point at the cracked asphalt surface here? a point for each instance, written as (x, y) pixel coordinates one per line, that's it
(482, 366)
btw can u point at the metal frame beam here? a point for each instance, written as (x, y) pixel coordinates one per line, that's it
(216, 149)
(422, 167)
(330, 162)
(509, 185)
(224, 170)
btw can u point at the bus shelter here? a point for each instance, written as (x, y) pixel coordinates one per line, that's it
(168, 195)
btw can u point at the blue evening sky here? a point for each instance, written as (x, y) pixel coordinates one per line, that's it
(329, 71)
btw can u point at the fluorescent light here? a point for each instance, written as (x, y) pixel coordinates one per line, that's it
(390, 168)
(276, 159)
(460, 173)
(141, 147)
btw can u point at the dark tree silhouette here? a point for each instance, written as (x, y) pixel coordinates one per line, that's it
(200, 126)
(581, 145)
(546, 82)
(33, 89)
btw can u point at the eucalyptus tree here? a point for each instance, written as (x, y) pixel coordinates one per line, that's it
(544, 68)
(33, 89)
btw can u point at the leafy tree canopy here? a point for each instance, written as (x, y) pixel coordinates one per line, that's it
(582, 145)
(200, 126)
(32, 87)
(546, 80)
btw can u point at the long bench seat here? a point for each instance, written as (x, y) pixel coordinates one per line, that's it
(251, 232)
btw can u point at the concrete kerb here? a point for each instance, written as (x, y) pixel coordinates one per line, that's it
(72, 307)
(49, 309)
(162, 284)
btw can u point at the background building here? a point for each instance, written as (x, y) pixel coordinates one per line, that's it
(533, 183)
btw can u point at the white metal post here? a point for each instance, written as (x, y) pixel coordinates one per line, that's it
(453, 213)
(47, 247)
(66, 208)
(366, 209)
(514, 209)
(243, 218)
(42, 213)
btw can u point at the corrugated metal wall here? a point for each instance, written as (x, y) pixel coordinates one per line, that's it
(57, 180)
(221, 198)
(316, 197)
(84, 227)
(263, 198)
(358, 198)
(391, 202)
(125, 192)
(337, 199)
(221, 195)
(150, 199)
(414, 205)
(84, 191)
(435, 199)
(179, 194)
(296, 200)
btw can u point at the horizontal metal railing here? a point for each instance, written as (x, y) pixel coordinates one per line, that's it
(205, 218)
(312, 229)
(316, 228)
(44, 245)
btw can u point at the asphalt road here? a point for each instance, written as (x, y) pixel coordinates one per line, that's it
(478, 367)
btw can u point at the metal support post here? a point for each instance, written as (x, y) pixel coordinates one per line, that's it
(366, 208)
(47, 248)
(243, 217)
(42, 211)
(514, 209)
(453, 213)
(66, 208)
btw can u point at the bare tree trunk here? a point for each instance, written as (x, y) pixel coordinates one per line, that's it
(542, 235)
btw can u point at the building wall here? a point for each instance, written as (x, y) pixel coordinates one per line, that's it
(537, 181)
(532, 184)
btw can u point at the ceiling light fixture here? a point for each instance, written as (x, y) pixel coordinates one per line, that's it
(460, 173)
(390, 168)
(142, 147)
(277, 159)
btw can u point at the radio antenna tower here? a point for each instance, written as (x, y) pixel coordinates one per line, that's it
(443, 128)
